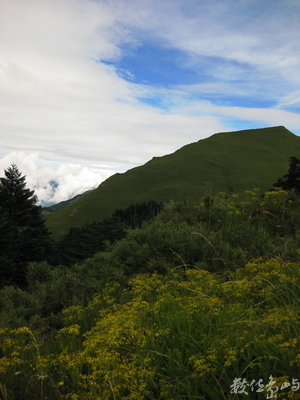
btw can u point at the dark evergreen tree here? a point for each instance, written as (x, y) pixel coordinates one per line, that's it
(134, 215)
(24, 237)
(81, 243)
(291, 180)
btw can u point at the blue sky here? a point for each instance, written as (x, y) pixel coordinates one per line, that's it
(93, 87)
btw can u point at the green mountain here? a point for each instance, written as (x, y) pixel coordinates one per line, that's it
(62, 204)
(227, 161)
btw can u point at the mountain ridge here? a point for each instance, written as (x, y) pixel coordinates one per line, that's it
(226, 161)
(62, 204)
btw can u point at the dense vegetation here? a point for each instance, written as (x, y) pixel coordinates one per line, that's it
(205, 293)
(24, 237)
(291, 180)
(81, 243)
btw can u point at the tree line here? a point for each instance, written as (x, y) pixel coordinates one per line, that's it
(24, 237)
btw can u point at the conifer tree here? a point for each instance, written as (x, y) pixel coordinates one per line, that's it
(24, 237)
(291, 180)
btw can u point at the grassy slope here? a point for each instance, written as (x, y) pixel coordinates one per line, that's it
(225, 161)
(63, 204)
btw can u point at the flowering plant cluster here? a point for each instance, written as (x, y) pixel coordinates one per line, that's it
(165, 336)
(205, 325)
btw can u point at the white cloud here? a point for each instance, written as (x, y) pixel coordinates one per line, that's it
(60, 102)
(270, 117)
(246, 41)
(71, 179)
(292, 99)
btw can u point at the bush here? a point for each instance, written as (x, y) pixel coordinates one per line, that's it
(188, 334)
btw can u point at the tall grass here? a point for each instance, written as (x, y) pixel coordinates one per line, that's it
(204, 297)
(187, 334)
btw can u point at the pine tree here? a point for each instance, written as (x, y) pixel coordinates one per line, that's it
(24, 237)
(291, 180)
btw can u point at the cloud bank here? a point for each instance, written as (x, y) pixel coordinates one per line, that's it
(53, 184)
(115, 82)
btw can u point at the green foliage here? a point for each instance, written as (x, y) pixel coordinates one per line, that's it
(134, 215)
(187, 334)
(51, 289)
(216, 235)
(24, 237)
(205, 292)
(291, 180)
(17, 202)
(219, 235)
(81, 243)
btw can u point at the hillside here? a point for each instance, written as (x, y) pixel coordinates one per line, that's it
(229, 161)
(62, 204)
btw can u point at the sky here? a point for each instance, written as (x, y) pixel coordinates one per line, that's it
(89, 88)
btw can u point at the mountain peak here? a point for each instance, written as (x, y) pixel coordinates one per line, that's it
(235, 161)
